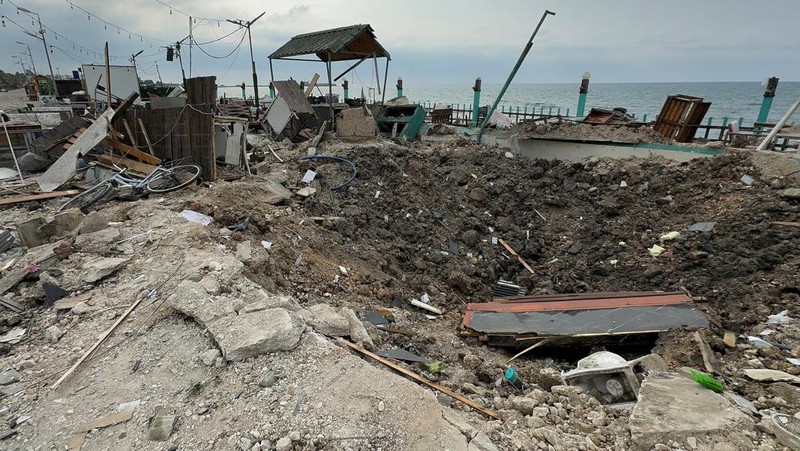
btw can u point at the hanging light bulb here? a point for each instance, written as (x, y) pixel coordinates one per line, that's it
(88, 17)
(105, 26)
(170, 11)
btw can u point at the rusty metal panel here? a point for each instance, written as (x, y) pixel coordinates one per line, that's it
(584, 315)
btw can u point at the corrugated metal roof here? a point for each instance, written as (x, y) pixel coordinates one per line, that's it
(583, 315)
(343, 43)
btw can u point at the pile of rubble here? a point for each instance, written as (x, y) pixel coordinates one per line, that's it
(241, 290)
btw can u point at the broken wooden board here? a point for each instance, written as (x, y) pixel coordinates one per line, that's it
(786, 223)
(64, 168)
(709, 361)
(128, 151)
(519, 259)
(70, 302)
(108, 420)
(33, 197)
(135, 166)
(416, 377)
(76, 442)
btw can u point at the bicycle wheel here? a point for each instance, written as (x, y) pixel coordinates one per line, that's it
(87, 198)
(174, 178)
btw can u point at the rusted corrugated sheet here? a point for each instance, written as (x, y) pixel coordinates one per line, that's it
(589, 314)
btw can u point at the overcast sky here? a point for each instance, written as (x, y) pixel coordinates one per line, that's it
(436, 41)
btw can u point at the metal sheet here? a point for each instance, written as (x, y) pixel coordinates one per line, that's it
(588, 322)
(279, 115)
(592, 301)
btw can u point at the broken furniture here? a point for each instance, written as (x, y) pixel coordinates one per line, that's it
(607, 377)
(680, 116)
(230, 135)
(441, 114)
(616, 116)
(356, 122)
(401, 120)
(517, 320)
(290, 111)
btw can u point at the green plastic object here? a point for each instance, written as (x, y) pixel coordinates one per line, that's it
(708, 382)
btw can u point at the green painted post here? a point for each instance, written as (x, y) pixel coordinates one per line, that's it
(271, 90)
(346, 88)
(741, 121)
(550, 111)
(512, 74)
(644, 118)
(724, 121)
(476, 101)
(582, 92)
(766, 104)
(399, 87)
(567, 112)
(559, 111)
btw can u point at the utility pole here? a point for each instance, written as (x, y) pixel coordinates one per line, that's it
(21, 62)
(133, 60)
(30, 54)
(44, 41)
(247, 25)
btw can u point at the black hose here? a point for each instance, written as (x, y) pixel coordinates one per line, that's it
(340, 160)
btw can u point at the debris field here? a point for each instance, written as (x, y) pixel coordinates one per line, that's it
(236, 340)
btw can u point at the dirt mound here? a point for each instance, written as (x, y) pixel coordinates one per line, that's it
(588, 132)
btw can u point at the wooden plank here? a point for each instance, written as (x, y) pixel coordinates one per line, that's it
(133, 165)
(511, 251)
(709, 361)
(71, 302)
(96, 344)
(416, 377)
(76, 442)
(108, 420)
(33, 197)
(128, 151)
(131, 134)
(311, 85)
(145, 136)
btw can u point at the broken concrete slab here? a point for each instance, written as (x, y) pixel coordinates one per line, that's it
(356, 123)
(791, 193)
(28, 232)
(481, 442)
(94, 270)
(327, 321)
(767, 375)
(673, 407)
(62, 223)
(275, 193)
(99, 238)
(357, 331)
(251, 334)
(244, 253)
(307, 191)
(191, 299)
(64, 168)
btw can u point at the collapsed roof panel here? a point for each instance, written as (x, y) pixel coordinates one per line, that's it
(583, 315)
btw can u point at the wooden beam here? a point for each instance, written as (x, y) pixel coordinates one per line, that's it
(511, 251)
(786, 223)
(311, 85)
(131, 134)
(133, 165)
(128, 151)
(33, 197)
(98, 343)
(416, 377)
(146, 136)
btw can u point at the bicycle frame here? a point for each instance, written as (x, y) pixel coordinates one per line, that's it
(119, 179)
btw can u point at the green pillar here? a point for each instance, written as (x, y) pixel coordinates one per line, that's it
(244, 94)
(346, 88)
(766, 104)
(399, 87)
(271, 90)
(582, 92)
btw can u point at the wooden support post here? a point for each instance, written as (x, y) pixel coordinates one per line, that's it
(131, 133)
(146, 136)
(512, 252)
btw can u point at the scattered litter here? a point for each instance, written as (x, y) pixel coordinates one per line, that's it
(786, 430)
(509, 155)
(425, 306)
(309, 176)
(793, 361)
(298, 260)
(505, 289)
(108, 420)
(759, 343)
(425, 298)
(402, 354)
(13, 336)
(241, 226)
(623, 184)
(656, 250)
(766, 332)
(669, 236)
(161, 427)
(266, 244)
(377, 193)
(131, 405)
(708, 382)
(376, 318)
(513, 379)
(494, 240)
(193, 216)
(306, 191)
(780, 318)
(605, 376)
(53, 293)
(747, 180)
(342, 269)
(702, 227)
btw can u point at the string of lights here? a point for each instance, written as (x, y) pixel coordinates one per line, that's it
(106, 24)
(207, 19)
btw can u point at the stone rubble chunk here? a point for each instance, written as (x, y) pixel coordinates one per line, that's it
(481, 442)
(209, 357)
(244, 252)
(283, 444)
(94, 270)
(358, 332)
(101, 237)
(673, 407)
(251, 334)
(8, 375)
(327, 321)
(53, 333)
(161, 427)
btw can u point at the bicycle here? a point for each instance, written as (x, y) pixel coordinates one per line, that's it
(163, 179)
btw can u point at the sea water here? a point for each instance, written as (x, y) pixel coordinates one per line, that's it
(728, 99)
